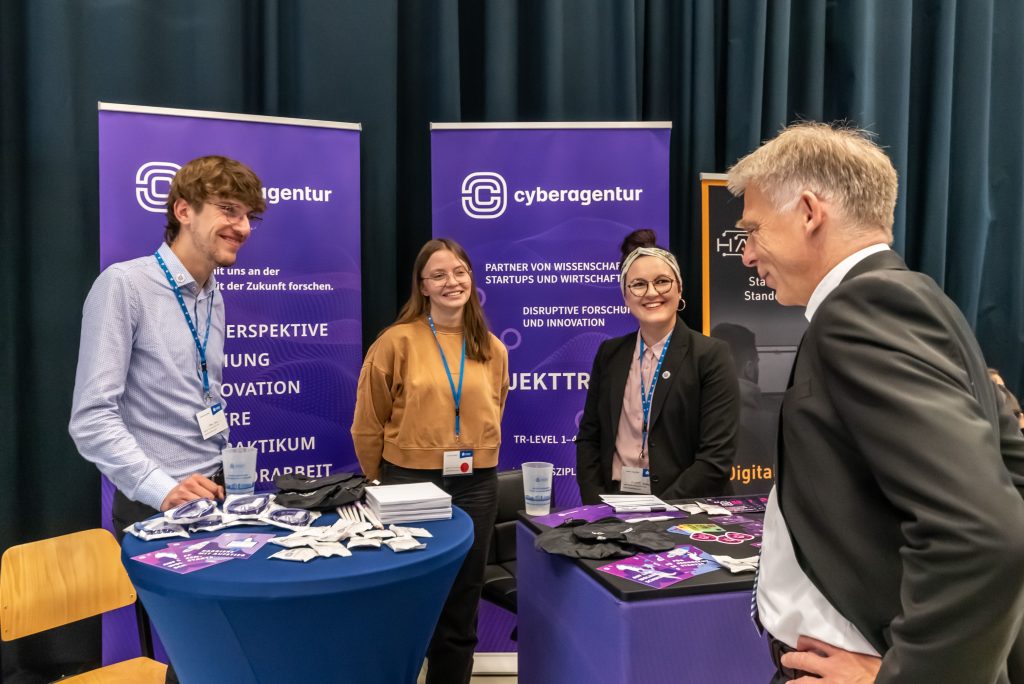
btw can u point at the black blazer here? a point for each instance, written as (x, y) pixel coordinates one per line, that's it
(896, 477)
(693, 425)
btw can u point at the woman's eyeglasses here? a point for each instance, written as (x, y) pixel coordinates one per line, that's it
(640, 287)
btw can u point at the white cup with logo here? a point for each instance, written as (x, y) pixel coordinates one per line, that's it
(537, 487)
(239, 470)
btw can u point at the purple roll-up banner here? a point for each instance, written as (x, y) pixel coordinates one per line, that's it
(293, 343)
(541, 209)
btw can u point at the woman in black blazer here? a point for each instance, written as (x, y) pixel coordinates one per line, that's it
(685, 385)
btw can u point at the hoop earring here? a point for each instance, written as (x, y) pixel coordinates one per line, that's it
(682, 304)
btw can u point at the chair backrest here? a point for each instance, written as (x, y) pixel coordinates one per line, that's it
(510, 501)
(53, 582)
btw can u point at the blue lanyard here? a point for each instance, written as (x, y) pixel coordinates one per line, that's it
(645, 400)
(200, 347)
(456, 395)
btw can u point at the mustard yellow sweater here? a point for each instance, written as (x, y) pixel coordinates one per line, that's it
(405, 412)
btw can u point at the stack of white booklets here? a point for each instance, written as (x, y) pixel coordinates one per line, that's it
(407, 503)
(636, 503)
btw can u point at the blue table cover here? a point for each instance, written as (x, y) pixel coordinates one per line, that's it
(366, 618)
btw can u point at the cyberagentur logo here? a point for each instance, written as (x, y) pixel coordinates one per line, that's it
(153, 184)
(484, 195)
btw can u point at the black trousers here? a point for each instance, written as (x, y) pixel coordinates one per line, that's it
(450, 654)
(125, 512)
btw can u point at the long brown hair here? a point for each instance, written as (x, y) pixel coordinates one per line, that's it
(474, 325)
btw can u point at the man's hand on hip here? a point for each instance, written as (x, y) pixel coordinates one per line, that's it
(834, 665)
(195, 486)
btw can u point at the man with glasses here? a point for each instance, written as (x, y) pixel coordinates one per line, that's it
(147, 408)
(893, 546)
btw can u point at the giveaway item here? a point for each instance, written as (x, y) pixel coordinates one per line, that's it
(291, 518)
(738, 565)
(176, 561)
(399, 544)
(303, 554)
(410, 531)
(658, 570)
(636, 503)
(326, 549)
(405, 503)
(191, 512)
(537, 487)
(605, 538)
(227, 545)
(247, 505)
(239, 469)
(320, 494)
(294, 483)
(379, 534)
(158, 528)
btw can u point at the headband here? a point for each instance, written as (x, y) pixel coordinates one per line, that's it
(657, 253)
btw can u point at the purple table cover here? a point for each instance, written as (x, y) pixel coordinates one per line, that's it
(572, 629)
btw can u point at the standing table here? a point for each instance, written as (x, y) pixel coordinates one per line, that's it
(580, 625)
(366, 618)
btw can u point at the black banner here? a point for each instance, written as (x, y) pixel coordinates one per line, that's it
(762, 334)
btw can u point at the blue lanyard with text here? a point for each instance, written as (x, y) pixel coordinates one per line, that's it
(646, 400)
(200, 347)
(456, 395)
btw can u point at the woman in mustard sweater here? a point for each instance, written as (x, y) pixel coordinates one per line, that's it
(428, 408)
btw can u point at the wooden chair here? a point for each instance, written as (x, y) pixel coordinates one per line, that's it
(53, 582)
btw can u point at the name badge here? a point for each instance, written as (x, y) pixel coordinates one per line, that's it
(212, 421)
(458, 463)
(636, 480)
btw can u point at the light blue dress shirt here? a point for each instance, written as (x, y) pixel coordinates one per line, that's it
(138, 385)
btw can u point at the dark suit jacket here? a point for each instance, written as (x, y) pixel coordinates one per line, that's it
(897, 474)
(693, 423)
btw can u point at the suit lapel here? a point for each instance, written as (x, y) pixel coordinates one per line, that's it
(678, 348)
(618, 372)
(885, 260)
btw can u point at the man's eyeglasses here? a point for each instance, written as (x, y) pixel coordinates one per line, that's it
(461, 275)
(661, 286)
(234, 213)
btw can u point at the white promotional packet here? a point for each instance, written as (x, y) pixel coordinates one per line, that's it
(303, 554)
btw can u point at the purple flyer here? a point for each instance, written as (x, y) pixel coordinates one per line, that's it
(659, 570)
(741, 504)
(227, 545)
(176, 561)
(754, 527)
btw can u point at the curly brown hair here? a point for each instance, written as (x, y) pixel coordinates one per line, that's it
(212, 176)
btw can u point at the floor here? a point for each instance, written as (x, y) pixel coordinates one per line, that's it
(480, 679)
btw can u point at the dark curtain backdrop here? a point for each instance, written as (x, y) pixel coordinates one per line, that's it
(940, 82)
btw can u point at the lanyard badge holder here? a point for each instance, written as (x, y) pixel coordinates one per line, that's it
(212, 420)
(459, 461)
(637, 480)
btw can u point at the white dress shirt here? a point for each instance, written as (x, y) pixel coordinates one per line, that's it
(788, 603)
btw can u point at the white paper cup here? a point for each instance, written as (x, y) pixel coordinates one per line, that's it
(537, 487)
(239, 470)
